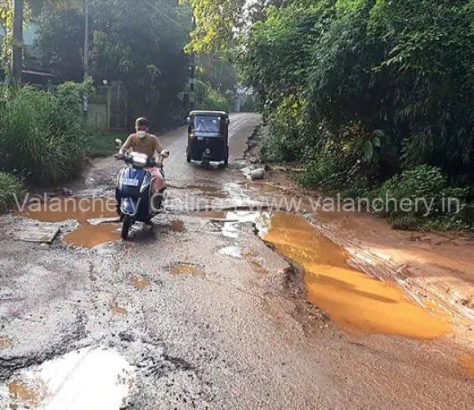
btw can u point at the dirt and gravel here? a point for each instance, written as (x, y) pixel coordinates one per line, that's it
(198, 312)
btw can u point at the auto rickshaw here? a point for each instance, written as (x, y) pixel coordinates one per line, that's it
(208, 137)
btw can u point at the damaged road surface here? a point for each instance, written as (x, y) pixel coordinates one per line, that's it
(212, 308)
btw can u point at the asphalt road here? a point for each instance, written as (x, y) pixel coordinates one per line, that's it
(193, 314)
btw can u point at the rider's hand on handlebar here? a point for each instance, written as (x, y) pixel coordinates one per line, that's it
(120, 156)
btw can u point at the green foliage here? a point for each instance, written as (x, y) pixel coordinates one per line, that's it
(9, 187)
(431, 201)
(216, 23)
(208, 98)
(140, 45)
(219, 72)
(60, 42)
(40, 131)
(100, 145)
(387, 86)
(285, 141)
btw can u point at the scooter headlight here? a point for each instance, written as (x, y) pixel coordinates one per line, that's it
(139, 160)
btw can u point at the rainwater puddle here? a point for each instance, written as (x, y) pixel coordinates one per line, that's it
(177, 226)
(209, 190)
(210, 214)
(185, 269)
(467, 362)
(231, 251)
(90, 236)
(350, 297)
(92, 379)
(231, 228)
(119, 310)
(5, 342)
(82, 210)
(141, 283)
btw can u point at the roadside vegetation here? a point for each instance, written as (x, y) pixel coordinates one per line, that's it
(373, 97)
(9, 187)
(43, 136)
(99, 144)
(40, 132)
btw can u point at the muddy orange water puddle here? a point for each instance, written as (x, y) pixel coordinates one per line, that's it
(81, 210)
(89, 236)
(5, 342)
(141, 283)
(31, 396)
(211, 214)
(350, 297)
(178, 226)
(119, 310)
(184, 269)
(467, 362)
(63, 209)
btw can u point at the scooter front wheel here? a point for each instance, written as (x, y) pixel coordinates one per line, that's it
(126, 226)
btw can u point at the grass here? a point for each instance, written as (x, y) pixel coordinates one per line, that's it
(9, 187)
(101, 145)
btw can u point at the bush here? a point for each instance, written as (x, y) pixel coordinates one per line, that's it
(428, 191)
(208, 98)
(40, 132)
(324, 173)
(361, 90)
(9, 187)
(100, 145)
(288, 130)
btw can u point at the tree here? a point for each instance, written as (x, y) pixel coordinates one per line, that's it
(216, 21)
(12, 14)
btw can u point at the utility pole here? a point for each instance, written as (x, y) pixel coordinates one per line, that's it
(86, 49)
(17, 49)
(192, 75)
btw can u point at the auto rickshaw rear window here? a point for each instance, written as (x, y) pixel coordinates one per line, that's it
(207, 124)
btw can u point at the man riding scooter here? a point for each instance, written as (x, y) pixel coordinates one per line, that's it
(148, 144)
(140, 186)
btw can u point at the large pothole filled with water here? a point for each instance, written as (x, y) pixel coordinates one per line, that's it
(85, 211)
(349, 296)
(91, 378)
(352, 298)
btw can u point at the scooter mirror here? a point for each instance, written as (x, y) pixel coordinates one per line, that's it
(165, 153)
(118, 143)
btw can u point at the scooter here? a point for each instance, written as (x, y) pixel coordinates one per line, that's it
(135, 200)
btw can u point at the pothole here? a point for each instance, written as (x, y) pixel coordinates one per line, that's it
(141, 283)
(209, 191)
(231, 251)
(349, 296)
(177, 226)
(185, 269)
(210, 214)
(90, 236)
(82, 210)
(231, 227)
(5, 342)
(119, 310)
(467, 361)
(91, 378)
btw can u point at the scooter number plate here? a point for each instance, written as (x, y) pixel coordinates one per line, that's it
(131, 182)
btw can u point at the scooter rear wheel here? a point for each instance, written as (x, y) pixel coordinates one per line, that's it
(126, 225)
